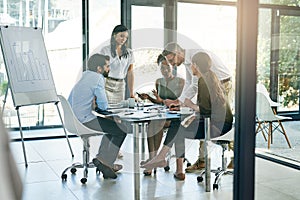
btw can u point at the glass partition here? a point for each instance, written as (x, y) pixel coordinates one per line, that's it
(147, 38)
(278, 74)
(212, 27)
(61, 22)
(278, 2)
(103, 17)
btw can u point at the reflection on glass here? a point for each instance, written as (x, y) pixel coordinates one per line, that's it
(278, 68)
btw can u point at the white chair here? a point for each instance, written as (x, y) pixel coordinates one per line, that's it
(262, 89)
(223, 141)
(72, 125)
(265, 115)
(261, 127)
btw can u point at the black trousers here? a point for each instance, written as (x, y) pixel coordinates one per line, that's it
(177, 133)
(112, 140)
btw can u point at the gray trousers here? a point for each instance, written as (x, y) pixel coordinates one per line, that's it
(111, 141)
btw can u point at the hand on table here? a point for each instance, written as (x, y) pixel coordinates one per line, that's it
(174, 107)
(143, 96)
(168, 102)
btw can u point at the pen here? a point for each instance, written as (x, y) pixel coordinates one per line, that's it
(128, 113)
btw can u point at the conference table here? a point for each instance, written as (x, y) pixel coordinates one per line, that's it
(139, 118)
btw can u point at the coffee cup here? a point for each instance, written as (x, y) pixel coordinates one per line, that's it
(131, 102)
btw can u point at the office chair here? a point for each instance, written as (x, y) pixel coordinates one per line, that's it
(223, 141)
(72, 125)
(265, 114)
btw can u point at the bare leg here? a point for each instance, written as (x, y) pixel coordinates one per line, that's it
(155, 133)
(157, 141)
(179, 165)
(179, 175)
(159, 160)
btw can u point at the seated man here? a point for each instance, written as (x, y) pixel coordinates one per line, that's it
(91, 87)
(211, 101)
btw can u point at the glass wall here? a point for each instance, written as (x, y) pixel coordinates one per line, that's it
(211, 27)
(61, 24)
(147, 38)
(278, 72)
(103, 17)
(278, 57)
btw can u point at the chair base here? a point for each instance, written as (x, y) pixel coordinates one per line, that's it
(73, 169)
(221, 170)
(168, 158)
(86, 164)
(218, 175)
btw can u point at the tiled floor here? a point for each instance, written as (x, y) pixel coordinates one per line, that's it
(48, 158)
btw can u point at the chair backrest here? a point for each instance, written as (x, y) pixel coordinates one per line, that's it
(71, 123)
(262, 89)
(229, 136)
(263, 108)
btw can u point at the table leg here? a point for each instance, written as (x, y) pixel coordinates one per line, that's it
(144, 137)
(136, 161)
(207, 154)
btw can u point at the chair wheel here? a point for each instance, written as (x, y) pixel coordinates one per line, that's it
(199, 179)
(64, 177)
(83, 180)
(215, 186)
(188, 164)
(73, 170)
(167, 168)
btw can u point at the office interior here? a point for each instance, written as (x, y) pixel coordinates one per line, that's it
(257, 40)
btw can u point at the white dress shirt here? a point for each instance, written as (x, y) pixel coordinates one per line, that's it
(191, 82)
(118, 67)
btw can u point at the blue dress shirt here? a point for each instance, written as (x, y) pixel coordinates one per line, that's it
(90, 85)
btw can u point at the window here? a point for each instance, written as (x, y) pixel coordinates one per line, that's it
(61, 23)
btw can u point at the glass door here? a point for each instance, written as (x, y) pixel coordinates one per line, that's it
(285, 60)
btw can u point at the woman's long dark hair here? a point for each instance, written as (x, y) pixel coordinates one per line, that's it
(116, 30)
(216, 91)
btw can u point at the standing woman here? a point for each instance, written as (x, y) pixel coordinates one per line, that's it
(121, 65)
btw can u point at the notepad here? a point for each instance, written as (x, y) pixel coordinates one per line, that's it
(136, 115)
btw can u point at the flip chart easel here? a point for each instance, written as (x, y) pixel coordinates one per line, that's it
(28, 70)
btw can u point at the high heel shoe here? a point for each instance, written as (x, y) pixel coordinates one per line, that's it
(147, 172)
(179, 176)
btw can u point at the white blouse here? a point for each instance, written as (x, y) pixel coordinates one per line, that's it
(118, 67)
(191, 82)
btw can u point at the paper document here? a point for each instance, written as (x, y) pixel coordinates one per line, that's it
(136, 115)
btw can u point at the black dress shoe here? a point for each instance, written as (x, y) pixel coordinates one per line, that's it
(107, 171)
